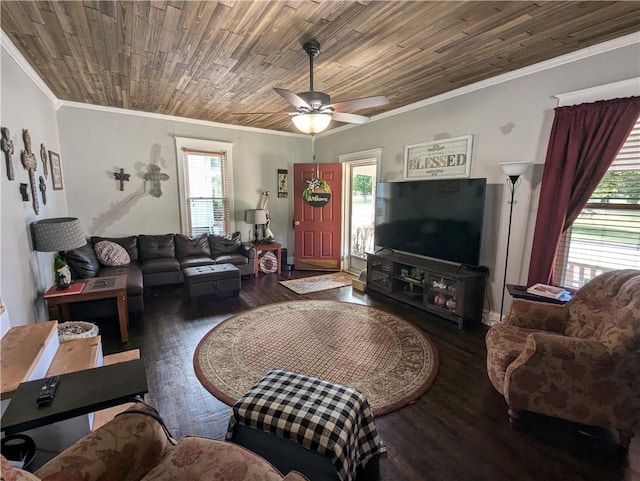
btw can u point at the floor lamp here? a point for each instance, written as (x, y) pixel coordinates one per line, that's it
(513, 170)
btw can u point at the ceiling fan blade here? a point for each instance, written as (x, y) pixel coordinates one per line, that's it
(359, 104)
(350, 118)
(292, 98)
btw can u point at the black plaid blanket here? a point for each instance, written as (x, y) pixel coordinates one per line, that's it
(327, 418)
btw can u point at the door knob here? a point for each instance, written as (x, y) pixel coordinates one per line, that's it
(296, 222)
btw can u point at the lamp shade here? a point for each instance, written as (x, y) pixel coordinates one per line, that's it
(57, 234)
(514, 168)
(311, 123)
(255, 216)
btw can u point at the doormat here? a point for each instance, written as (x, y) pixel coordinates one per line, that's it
(319, 283)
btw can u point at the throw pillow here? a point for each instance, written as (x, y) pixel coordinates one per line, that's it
(189, 246)
(83, 262)
(111, 254)
(224, 244)
(129, 243)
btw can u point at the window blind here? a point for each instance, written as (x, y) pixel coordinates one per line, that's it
(206, 191)
(606, 234)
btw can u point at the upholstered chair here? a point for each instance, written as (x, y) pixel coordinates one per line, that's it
(579, 361)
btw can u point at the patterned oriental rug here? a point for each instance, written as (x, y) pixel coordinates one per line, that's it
(386, 358)
(319, 283)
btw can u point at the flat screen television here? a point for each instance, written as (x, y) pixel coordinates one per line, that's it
(441, 219)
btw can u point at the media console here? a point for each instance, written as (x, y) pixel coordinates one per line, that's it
(453, 292)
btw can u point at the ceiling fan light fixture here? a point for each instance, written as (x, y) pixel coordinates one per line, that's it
(311, 123)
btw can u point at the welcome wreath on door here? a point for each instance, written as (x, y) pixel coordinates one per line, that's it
(317, 193)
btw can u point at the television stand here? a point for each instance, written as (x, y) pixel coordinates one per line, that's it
(453, 292)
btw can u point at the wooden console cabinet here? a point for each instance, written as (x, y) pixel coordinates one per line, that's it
(453, 292)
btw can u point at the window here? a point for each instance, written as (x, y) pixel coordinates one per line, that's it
(606, 234)
(204, 187)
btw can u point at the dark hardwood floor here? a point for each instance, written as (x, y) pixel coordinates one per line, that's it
(458, 430)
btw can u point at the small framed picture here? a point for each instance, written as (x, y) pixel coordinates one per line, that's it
(56, 170)
(283, 183)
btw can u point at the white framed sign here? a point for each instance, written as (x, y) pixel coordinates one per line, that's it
(442, 159)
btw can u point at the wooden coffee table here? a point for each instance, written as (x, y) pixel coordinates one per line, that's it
(96, 288)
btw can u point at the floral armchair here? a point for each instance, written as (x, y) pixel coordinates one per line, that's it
(135, 446)
(579, 361)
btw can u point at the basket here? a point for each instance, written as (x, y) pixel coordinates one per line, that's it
(68, 331)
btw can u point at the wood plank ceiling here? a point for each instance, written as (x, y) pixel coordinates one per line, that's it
(208, 60)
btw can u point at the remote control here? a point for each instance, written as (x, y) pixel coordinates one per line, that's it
(48, 390)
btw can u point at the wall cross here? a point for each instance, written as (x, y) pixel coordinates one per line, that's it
(155, 176)
(43, 156)
(30, 163)
(43, 190)
(122, 177)
(7, 147)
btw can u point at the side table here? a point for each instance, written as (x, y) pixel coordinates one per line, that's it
(96, 288)
(267, 247)
(520, 292)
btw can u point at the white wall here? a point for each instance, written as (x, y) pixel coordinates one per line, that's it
(97, 143)
(25, 274)
(510, 122)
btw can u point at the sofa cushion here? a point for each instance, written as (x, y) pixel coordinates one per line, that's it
(129, 243)
(206, 459)
(190, 246)
(235, 259)
(195, 261)
(135, 284)
(156, 246)
(111, 254)
(83, 262)
(224, 244)
(164, 264)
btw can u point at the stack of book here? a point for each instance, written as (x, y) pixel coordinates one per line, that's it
(545, 290)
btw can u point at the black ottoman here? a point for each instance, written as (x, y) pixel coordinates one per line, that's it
(203, 280)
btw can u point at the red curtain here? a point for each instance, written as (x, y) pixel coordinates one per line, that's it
(584, 141)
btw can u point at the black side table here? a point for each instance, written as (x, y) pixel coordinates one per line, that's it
(78, 393)
(520, 292)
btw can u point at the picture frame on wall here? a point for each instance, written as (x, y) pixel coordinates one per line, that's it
(283, 183)
(442, 159)
(56, 171)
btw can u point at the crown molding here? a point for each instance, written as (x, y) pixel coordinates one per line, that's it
(174, 118)
(15, 54)
(625, 41)
(623, 88)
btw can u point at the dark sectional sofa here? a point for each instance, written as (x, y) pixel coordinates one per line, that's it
(154, 260)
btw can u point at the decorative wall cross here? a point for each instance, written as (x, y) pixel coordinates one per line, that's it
(122, 177)
(43, 190)
(7, 148)
(155, 176)
(43, 156)
(30, 163)
(23, 192)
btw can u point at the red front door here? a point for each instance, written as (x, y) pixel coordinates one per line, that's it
(317, 229)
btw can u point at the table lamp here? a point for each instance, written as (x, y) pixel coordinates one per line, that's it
(58, 235)
(257, 217)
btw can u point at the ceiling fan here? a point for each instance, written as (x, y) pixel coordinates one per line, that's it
(314, 110)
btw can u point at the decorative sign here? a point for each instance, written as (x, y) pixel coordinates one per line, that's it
(442, 159)
(283, 183)
(317, 193)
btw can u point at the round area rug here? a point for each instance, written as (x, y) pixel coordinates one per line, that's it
(386, 358)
